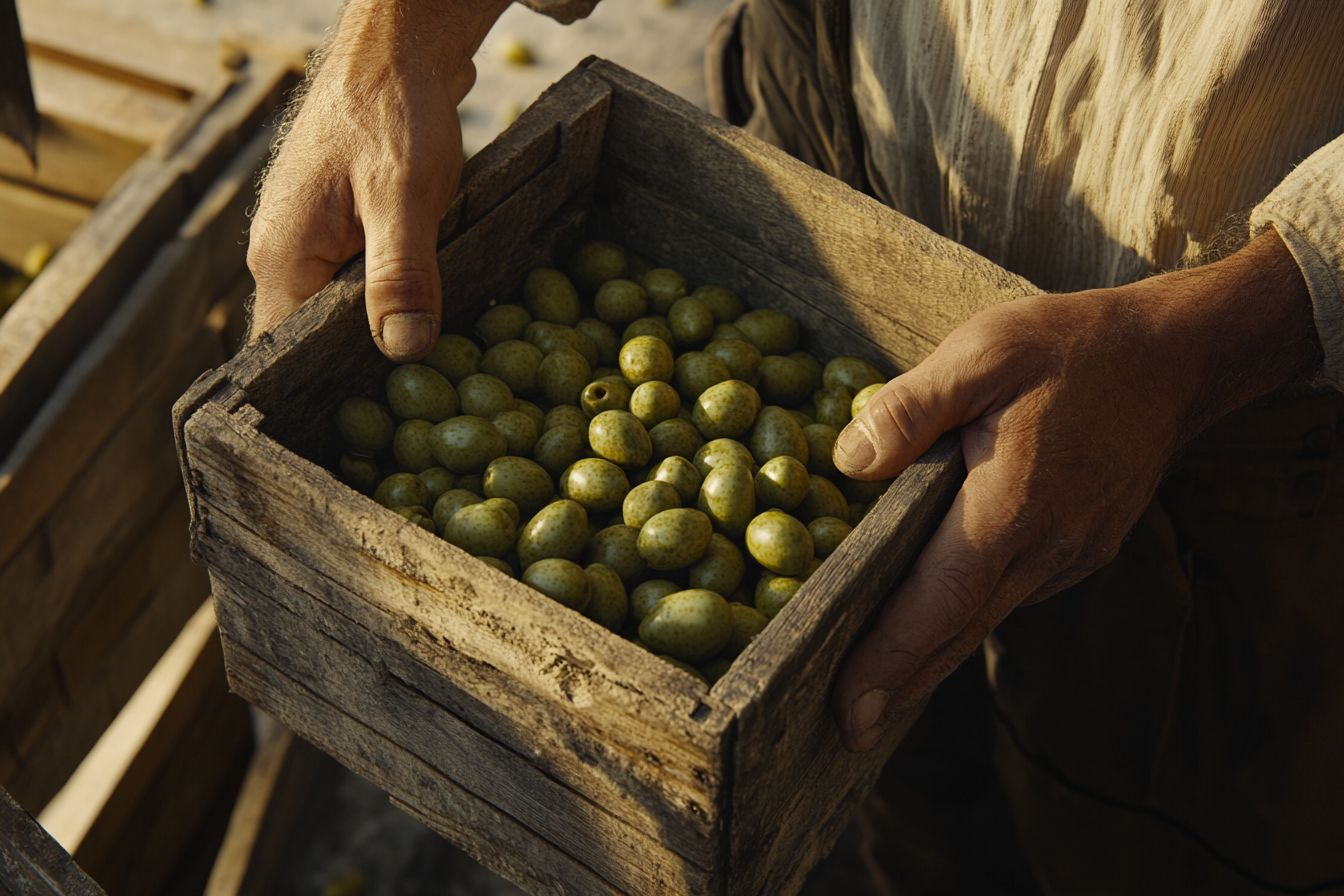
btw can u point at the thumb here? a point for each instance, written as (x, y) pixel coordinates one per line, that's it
(899, 423)
(403, 292)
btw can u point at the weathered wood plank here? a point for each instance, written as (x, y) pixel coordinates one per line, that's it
(29, 215)
(491, 837)
(628, 859)
(564, 742)
(33, 864)
(78, 161)
(126, 110)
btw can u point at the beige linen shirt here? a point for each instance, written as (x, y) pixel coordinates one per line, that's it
(1089, 143)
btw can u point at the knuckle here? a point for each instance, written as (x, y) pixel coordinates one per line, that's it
(957, 591)
(898, 410)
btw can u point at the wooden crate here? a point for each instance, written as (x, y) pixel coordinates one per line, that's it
(95, 576)
(562, 756)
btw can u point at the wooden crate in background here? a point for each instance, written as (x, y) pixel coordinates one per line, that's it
(562, 756)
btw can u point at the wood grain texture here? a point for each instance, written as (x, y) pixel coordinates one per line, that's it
(490, 836)
(78, 161)
(33, 864)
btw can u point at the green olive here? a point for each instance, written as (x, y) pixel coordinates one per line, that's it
(678, 664)
(773, 332)
(675, 438)
(597, 262)
(782, 483)
(604, 339)
(563, 375)
(515, 362)
(739, 357)
(550, 338)
(619, 437)
(691, 625)
(723, 302)
(715, 669)
(604, 395)
(360, 471)
(850, 373)
(777, 434)
(653, 402)
(519, 431)
(675, 538)
(827, 532)
(466, 444)
(563, 581)
(456, 357)
(820, 448)
(548, 295)
(697, 371)
(690, 320)
(501, 565)
(499, 324)
(864, 396)
(784, 381)
(726, 411)
(481, 530)
(483, 395)
(646, 358)
(537, 414)
(636, 266)
(679, 473)
(647, 499)
(598, 484)
(620, 302)
(801, 419)
(823, 499)
(608, 604)
(559, 447)
(473, 482)
(720, 568)
(617, 546)
(449, 503)
(559, 529)
(650, 326)
(410, 446)
(566, 415)
(780, 543)
(520, 480)
(366, 426)
(417, 515)
(773, 592)
(401, 490)
(813, 367)
(718, 452)
(728, 497)
(664, 287)
(510, 509)
(833, 407)
(647, 594)
(728, 331)
(748, 622)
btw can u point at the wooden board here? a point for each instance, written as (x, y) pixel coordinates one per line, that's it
(403, 657)
(32, 863)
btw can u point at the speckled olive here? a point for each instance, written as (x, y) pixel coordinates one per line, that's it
(559, 447)
(720, 568)
(722, 301)
(563, 375)
(820, 447)
(800, 418)
(360, 471)
(636, 266)
(604, 339)
(515, 362)
(619, 302)
(776, 434)
(548, 295)
(726, 411)
(619, 437)
(537, 414)
(519, 431)
(779, 542)
(474, 483)
(833, 407)
(748, 622)
(773, 332)
(604, 395)
(598, 484)
(783, 381)
(675, 538)
(617, 546)
(595, 263)
(773, 592)
(608, 604)
(483, 395)
(551, 338)
(646, 594)
(739, 357)
(410, 446)
(723, 451)
(782, 483)
(851, 373)
(566, 415)
(814, 369)
(715, 669)
(449, 503)
(664, 287)
(823, 499)
(647, 499)
(697, 371)
(728, 331)
(728, 497)
(690, 320)
(502, 565)
(509, 508)
(466, 444)
(864, 396)
(417, 515)
(678, 664)
(520, 480)
(827, 532)
(653, 402)
(401, 490)
(366, 426)
(563, 581)
(559, 529)
(456, 357)
(481, 530)
(675, 438)
(692, 625)
(646, 358)
(679, 473)
(501, 323)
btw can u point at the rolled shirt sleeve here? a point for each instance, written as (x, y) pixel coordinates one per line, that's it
(563, 11)
(1307, 210)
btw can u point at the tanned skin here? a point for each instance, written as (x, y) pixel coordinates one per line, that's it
(1071, 407)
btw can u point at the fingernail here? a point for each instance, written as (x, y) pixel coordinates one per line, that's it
(408, 335)
(867, 710)
(854, 451)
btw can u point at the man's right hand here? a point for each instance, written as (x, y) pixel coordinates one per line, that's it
(370, 164)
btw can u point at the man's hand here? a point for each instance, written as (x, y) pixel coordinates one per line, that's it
(371, 162)
(1071, 408)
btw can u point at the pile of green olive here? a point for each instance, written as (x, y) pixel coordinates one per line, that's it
(655, 458)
